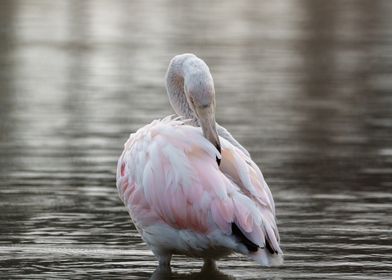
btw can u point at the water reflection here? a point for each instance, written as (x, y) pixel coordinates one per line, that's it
(206, 272)
(304, 85)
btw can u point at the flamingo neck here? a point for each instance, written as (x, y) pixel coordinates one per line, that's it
(183, 68)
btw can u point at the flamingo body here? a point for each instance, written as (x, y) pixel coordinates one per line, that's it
(182, 202)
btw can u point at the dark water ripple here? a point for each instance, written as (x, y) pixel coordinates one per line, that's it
(304, 85)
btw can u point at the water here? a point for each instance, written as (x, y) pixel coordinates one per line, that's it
(304, 85)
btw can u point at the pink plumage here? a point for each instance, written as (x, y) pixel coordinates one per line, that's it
(169, 181)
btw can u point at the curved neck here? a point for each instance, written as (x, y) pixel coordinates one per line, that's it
(180, 70)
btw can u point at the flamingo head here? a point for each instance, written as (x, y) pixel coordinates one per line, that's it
(200, 94)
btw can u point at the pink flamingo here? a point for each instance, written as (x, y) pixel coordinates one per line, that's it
(189, 186)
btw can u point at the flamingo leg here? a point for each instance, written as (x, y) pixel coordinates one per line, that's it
(209, 264)
(164, 261)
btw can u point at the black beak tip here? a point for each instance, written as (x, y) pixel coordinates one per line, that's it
(218, 147)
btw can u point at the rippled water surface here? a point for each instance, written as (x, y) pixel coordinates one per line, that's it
(304, 85)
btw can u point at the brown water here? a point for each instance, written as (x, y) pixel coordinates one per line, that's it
(306, 86)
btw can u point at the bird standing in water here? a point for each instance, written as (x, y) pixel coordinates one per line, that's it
(189, 186)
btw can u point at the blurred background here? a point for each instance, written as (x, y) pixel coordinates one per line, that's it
(304, 85)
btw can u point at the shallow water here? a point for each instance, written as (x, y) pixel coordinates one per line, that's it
(304, 85)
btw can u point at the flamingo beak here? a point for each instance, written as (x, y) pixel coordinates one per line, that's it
(207, 123)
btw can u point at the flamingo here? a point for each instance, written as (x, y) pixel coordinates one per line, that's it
(189, 186)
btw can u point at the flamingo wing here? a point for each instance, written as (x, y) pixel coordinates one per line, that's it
(241, 169)
(168, 175)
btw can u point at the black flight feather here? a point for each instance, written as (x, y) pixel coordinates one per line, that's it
(252, 247)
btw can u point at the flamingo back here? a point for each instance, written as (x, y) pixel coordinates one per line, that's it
(168, 177)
